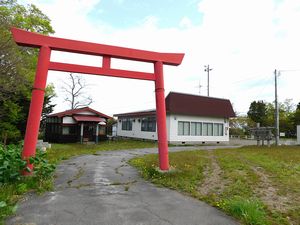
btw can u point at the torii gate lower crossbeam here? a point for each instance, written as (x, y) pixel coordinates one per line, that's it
(46, 44)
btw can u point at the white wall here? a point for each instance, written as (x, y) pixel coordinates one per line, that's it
(136, 131)
(172, 129)
(298, 134)
(173, 136)
(69, 120)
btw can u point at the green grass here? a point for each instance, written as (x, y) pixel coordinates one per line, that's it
(10, 194)
(64, 151)
(239, 184)
(186, 171)
(251, 211)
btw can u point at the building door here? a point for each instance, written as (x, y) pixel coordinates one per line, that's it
(89, 131)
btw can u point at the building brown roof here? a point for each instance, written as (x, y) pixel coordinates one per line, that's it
(193, 105)
(72, 112)
(138, 114)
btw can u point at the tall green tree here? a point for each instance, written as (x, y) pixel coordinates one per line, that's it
(258, 112)
(17, 65)
(296, 117)
(270, 121)
(286, 115)
(48, 107)
(264, 113)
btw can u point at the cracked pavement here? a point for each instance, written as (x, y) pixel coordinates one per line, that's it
(104, 189)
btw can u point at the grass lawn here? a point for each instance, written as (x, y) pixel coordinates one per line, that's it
(64, 151)
(10, 194)
(254, 185)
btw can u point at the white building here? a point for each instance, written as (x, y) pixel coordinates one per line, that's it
(190, 119)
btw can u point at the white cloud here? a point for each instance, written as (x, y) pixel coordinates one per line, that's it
(243, 41)
(185, 22)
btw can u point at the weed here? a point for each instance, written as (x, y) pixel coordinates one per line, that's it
(251, 211)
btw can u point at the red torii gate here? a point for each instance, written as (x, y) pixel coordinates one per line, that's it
(46, 44)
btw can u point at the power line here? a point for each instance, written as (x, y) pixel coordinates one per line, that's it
(264, 86)
(295, 70)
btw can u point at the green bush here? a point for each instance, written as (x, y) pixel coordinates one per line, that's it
(42, 168)
(11, 163)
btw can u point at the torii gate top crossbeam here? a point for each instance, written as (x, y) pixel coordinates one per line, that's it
(35, 40)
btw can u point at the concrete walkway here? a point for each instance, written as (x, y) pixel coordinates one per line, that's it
(104, 189)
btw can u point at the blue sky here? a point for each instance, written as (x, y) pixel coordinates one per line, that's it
(244, 41)
(123, 14)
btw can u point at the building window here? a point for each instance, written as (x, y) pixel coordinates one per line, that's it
(68, 130)
(65, 130)
(218, 129)
(148, 124)
(204, 131)
(196, 129)
(207, 129)
(126, 124)
(183, 128)
(221, 129)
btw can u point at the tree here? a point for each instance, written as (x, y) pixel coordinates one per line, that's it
(270, 110)
(8, 123)
(286, 115)
(17, 65)
(296, 118)
(258, 112)
(240, 124)
(264, 113)
(75, 92)
(48, 107)
(298, 106)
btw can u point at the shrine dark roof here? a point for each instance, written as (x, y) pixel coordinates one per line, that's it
(193, 105)
(73, 112)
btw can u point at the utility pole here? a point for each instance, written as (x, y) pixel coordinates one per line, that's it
(276, 74)
(207, 69)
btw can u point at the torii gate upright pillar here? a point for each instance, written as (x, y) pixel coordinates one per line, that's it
(161, 116)
(36, 105)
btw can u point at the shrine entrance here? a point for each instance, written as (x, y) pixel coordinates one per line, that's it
(46, 44)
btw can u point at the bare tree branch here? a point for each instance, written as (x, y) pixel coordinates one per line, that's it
(74, 89)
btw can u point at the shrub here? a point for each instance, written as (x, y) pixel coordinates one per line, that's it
(42, 168)
(11, 163)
